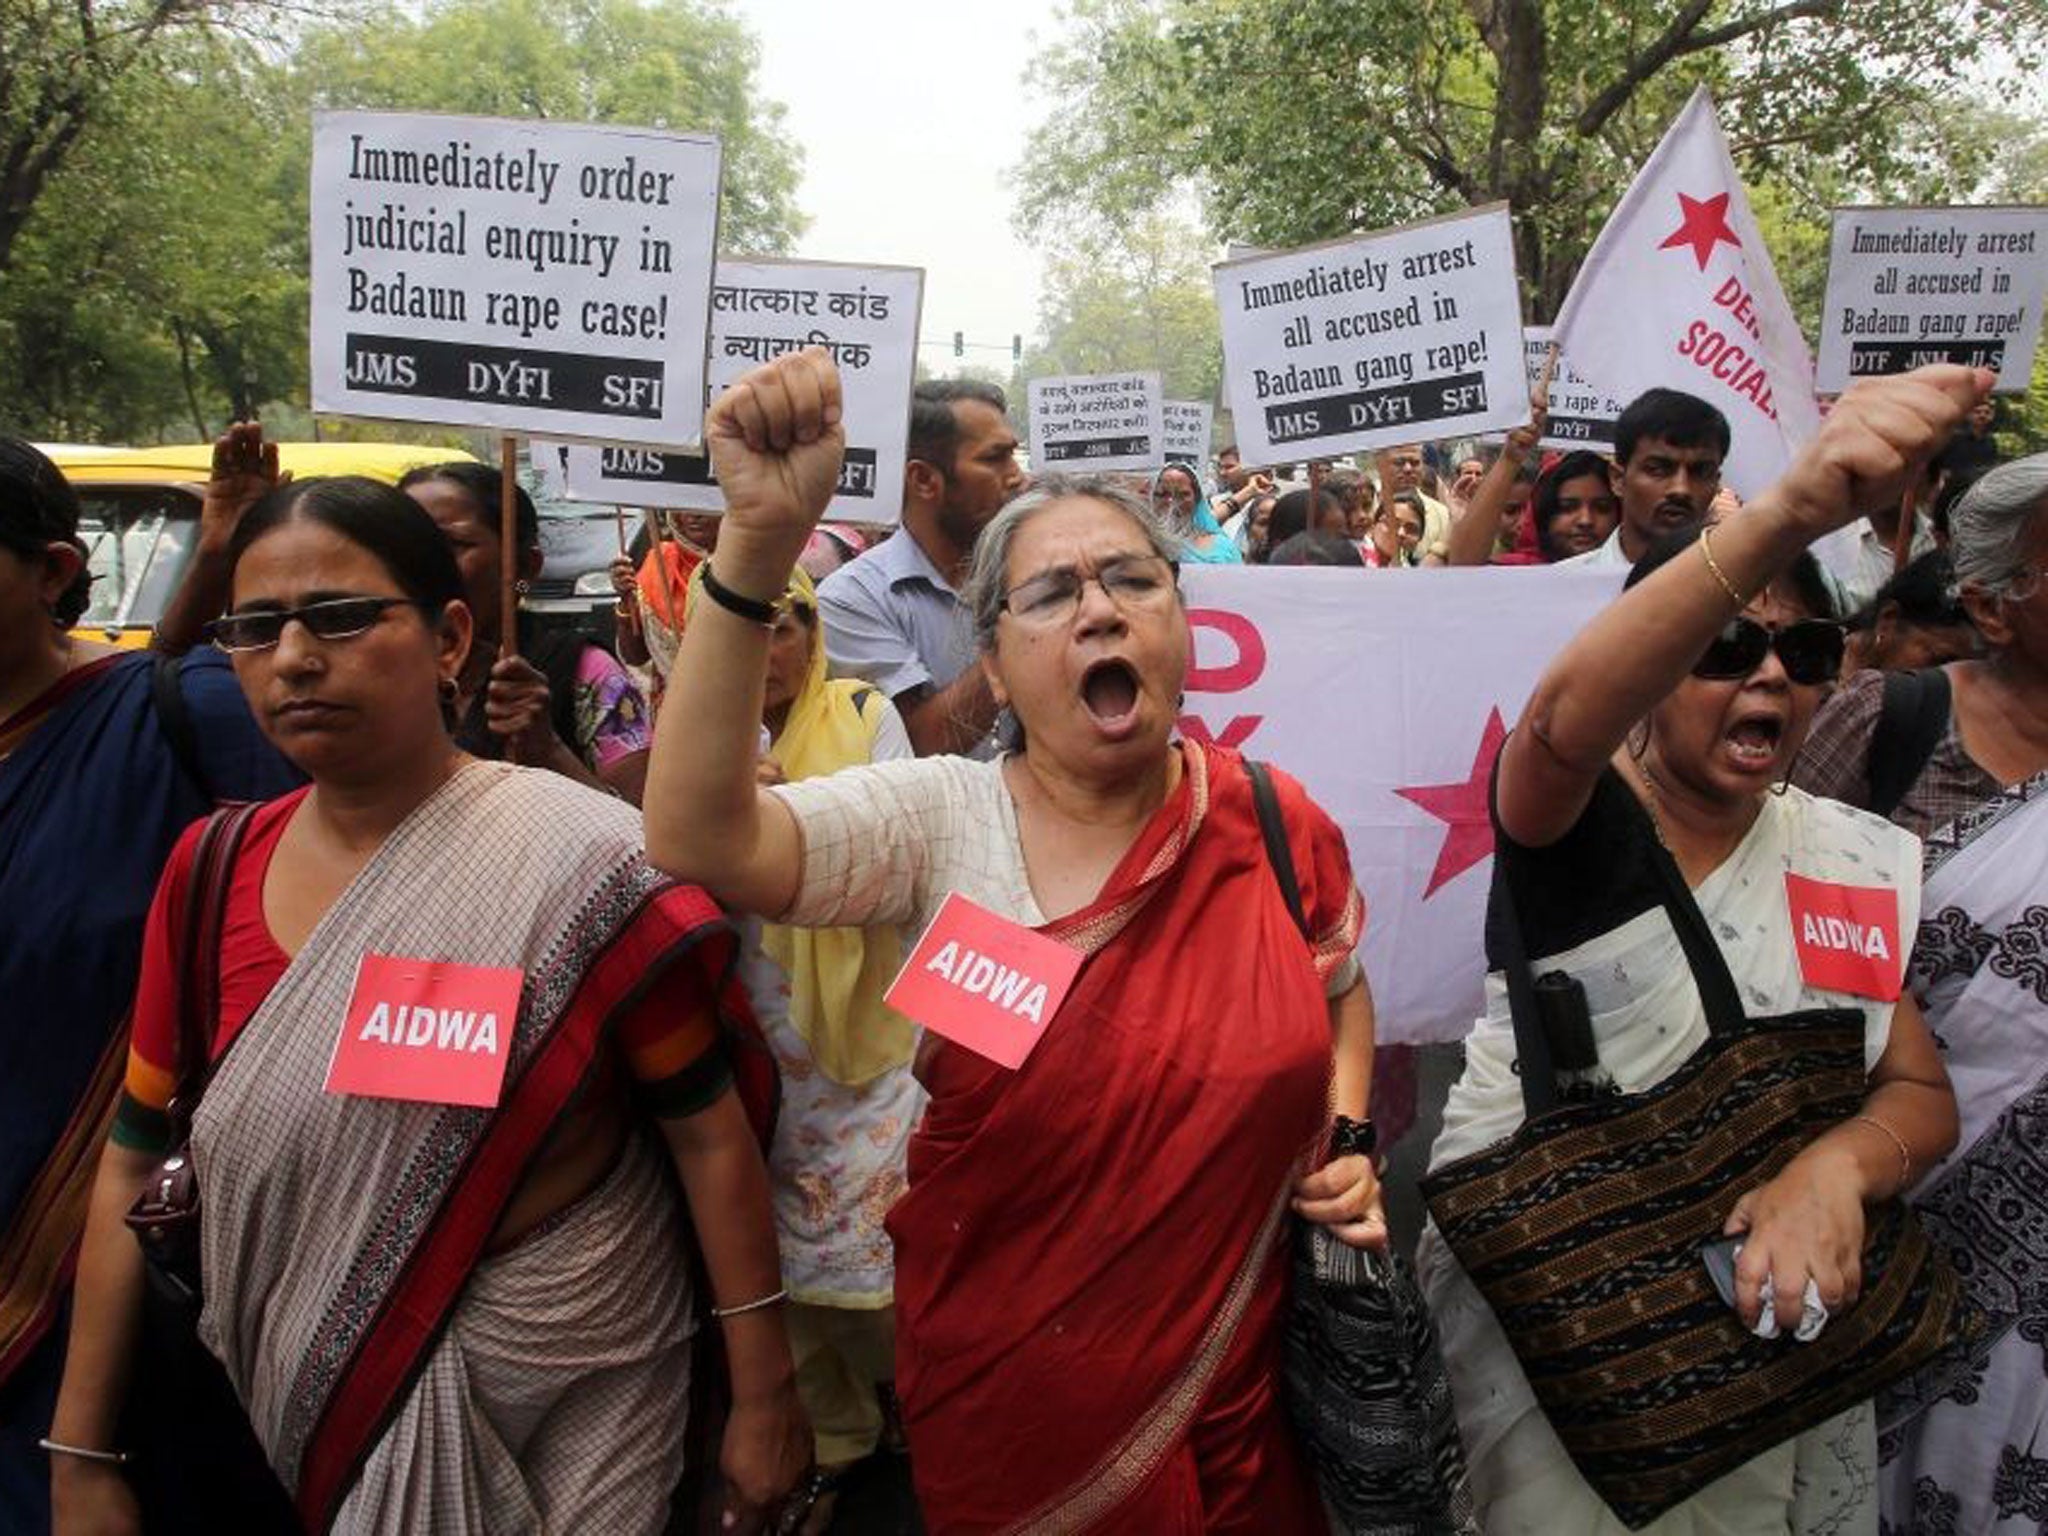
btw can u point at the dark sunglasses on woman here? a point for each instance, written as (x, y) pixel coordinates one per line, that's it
(1810, 651)
(339, 618)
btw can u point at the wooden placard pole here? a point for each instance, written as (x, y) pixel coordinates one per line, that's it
(508, 561)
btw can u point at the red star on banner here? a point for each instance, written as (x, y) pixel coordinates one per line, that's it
(1703, 226)
(1468, 829)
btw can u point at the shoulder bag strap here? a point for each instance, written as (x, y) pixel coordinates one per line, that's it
(1709, 967)
(206, 899)
(1909, 728)
(1273, 828)
(1532, 1049)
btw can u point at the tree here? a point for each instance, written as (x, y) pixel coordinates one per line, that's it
(61, 64)
(1137, 299)
(1306, 119)
(651, 63)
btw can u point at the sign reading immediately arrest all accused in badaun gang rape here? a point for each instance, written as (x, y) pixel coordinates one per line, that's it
(1911, 286)
(1380, 339)
(520, 276)
(865, 317)
(1085, 423)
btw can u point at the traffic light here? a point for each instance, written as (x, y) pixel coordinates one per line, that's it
(1016, 349)
(959, 343)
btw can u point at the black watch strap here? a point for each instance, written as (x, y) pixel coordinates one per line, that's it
(751, 609)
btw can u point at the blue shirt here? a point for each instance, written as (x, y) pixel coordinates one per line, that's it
(893, 620)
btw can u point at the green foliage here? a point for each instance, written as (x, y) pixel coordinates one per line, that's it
(1138, 299)
(1299, 120)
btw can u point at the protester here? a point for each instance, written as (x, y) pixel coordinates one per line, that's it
(436, 1318)
(1299, 511)
(1178, 502)
(1960, 1439)
(1318, 547)
(849, 1101)
(1231, 474)
(1914, 621)
(1668, 448)
(1400, 470)
(1973, 450)
(563, 703)
(105, 756)
(1877, 539)
(1574, 507)
(1668, 721)
(1396, 534)
(1048, 1231)
(893, 617)
(1348, 486)
(1250, 528)
(659, 592)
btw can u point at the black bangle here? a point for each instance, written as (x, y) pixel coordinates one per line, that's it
(752, 609)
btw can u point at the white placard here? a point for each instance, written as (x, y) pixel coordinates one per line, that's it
(1187, 425)
(1088, 422)
(1582, 415)
(520, 276)
(867, 317)
(1395, 337)
(1908, 286)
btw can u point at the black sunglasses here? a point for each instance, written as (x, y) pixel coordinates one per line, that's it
(1810, 651)
(339, 618)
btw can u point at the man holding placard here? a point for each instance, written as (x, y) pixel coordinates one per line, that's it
(893, 616)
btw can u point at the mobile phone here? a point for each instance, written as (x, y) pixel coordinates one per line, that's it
(1719, 1258)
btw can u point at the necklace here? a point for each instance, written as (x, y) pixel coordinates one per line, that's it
(1653, 804)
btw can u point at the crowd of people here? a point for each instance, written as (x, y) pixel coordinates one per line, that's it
(732, 1224)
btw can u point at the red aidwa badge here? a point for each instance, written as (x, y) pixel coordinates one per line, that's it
(984, 982)
(427, 1030)
(1847, 936)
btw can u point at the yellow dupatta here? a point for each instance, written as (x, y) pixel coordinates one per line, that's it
(836, 975)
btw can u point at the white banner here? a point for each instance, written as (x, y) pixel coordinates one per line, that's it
(1088, 422)
(520, 276)
(1679, 292)
(1401, 759)
(867, 317)
(1187, 424)
(1396, 337)
(1910, 286)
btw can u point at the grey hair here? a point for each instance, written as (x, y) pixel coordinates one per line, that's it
(987, 578)
(1990, 524)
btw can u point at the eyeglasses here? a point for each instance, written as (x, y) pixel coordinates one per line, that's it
(1810, 650)
(1134, 583)
(2026, 581)
(339, 618)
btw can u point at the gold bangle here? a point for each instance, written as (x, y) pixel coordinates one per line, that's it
(751, 1306)
(1714, 566)
(1905, 1155)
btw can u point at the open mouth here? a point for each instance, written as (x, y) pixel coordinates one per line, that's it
(1109, 691)
(1753, 741)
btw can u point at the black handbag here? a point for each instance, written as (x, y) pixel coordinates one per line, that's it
(1363, 1375)
(165, 1217)
(1584, 1231)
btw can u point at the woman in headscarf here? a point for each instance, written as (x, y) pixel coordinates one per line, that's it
(849, 1101)
(1177, 498)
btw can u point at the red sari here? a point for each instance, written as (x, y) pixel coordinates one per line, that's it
(1090, 1284)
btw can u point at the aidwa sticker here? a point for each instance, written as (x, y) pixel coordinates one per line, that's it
(984, 982)
(1847, 937)
(431, 1031)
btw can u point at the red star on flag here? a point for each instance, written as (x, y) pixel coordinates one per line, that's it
(1703, 226)
(1468, 829)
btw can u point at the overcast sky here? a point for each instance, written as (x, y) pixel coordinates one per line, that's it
(910, 114)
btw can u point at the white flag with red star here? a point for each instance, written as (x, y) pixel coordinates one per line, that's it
(1388, 696)
(1679, 293)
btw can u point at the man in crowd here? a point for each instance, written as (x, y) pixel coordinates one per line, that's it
(1400, 470)
(894, 615)
(1668, 449)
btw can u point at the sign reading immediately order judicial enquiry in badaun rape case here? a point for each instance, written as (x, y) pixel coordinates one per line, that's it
(1396, 337)
(1911, 286)
(520, 276)
(1084, 423)
(865, 317)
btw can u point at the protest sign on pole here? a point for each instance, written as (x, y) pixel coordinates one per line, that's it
(1582, 415)
(1084, 423)
(866, 317)
(1403, 768)
(1911, 286)
(520, 276)
(1187, 424)
(1679, 292)
(1375, 340)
